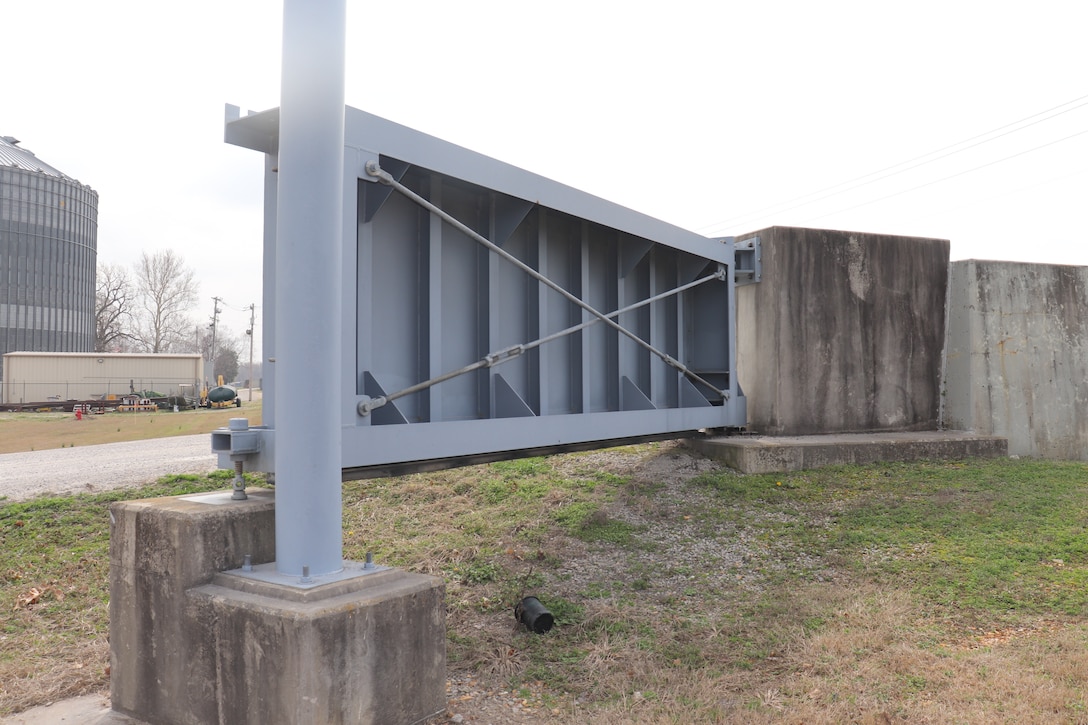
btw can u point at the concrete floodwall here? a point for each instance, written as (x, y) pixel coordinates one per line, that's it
(1016, 361)
(844, 334)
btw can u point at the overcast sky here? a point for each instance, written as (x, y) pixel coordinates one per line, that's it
(958, 120)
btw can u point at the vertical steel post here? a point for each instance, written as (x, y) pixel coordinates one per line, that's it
(268, 294)
(308, 288)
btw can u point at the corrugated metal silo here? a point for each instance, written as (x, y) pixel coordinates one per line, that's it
(48, 253)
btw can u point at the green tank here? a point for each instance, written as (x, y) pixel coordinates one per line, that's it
(222, 394)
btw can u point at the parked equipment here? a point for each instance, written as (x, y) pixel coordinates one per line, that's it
(221, 396)
(134, 403)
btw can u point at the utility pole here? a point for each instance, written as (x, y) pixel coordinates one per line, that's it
(252, 313)
(214, 326)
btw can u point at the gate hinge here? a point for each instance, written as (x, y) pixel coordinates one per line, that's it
(747, 261)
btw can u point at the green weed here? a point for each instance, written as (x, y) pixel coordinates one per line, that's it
(986, 538)
(771, 580)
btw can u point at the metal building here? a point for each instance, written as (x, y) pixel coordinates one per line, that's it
(48, 254)
(38, 377)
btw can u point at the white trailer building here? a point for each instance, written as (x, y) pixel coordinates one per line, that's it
(31, 377)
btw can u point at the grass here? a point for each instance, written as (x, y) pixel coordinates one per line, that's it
(42, 431)
(928, 592)
(994, 539)
(54, 591)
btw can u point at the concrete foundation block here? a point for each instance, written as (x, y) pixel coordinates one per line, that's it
(159, 549)
(767, 454)
(194, 643)
(368, 650)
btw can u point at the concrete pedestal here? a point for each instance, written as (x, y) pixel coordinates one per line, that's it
(191, 642)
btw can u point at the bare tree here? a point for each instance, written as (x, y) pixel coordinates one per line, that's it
(113, 301)
(168, 290)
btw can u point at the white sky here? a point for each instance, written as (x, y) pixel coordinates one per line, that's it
(720, 117)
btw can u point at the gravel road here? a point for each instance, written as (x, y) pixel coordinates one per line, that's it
(101, 468)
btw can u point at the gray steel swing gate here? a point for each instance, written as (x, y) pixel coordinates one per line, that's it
(491, 313)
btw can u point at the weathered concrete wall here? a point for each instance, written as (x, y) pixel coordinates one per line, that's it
(1016, 359)
(844, 334)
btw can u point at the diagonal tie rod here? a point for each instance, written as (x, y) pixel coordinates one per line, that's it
(375, 170)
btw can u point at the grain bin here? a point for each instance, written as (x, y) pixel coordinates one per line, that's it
(48, 254)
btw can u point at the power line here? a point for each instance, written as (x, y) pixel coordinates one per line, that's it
(244, 308)
(984, 199)
(950, 176)
(909, 164)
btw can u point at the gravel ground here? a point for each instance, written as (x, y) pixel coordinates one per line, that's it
(102, 468)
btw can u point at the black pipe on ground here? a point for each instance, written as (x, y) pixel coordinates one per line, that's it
(536, 618)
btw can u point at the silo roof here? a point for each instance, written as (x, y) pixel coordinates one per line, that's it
(12, 155)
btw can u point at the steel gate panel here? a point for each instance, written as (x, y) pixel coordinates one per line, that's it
(425, 296)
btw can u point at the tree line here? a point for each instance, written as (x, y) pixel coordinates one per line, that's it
(147, 308)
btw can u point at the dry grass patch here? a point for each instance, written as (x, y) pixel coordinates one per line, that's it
(73, 668)
(880, 659)
(682, 593)
(746, 601)
(43, 431)
(54, 592)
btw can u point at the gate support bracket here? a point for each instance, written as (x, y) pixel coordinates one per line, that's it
(747, 261)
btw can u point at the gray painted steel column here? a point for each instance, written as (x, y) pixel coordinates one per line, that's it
(308, 288)
(268, 295)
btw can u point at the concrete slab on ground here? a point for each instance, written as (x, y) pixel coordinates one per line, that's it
(778, 454)
(85, 710)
